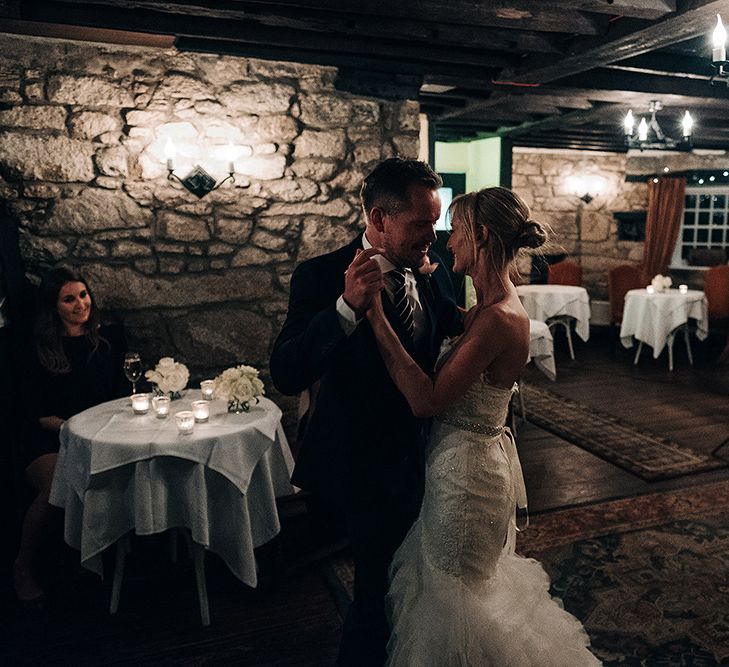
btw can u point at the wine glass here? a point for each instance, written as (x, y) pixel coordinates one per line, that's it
(133, 368)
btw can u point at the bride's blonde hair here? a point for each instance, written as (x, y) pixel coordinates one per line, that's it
(506, 217)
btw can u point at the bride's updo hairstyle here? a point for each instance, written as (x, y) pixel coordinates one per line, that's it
(506, 217)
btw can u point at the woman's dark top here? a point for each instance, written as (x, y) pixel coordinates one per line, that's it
(92, 379)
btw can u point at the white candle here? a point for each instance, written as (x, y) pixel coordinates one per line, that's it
(140, 404)
(207, 387)
(161, 405)
(201, 410)
(185, 421)
(683, 289)
(718, 52)
(650, 289)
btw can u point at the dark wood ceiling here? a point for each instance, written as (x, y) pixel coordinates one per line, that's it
(549, 73)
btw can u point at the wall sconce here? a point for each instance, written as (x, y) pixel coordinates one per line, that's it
(718, 53)
(199, 181)
(585, 188)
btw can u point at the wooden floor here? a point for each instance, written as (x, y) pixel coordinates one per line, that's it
(293, 619)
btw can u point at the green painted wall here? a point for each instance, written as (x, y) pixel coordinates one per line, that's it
(480, 160)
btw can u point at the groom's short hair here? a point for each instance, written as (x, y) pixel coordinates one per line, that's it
(388, 184)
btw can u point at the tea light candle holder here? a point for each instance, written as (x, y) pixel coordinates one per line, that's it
(201, 410)
(650, 289)
(140, 404)
(207, 387)
(683, 289)
(161, 405)
(185, 421)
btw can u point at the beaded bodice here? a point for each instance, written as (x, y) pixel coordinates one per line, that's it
(482, 409)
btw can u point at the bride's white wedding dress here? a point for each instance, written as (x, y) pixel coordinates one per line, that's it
(459, 595)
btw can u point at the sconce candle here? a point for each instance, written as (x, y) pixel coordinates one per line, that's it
(140, 404)
(683, 289)
(185, 421)
(170, 154)
(201, 410)
(161, 405)
(207, 387)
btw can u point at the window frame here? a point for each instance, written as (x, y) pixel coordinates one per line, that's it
(677, 261)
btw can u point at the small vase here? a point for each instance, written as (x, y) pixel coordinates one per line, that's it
(174, 395)
(236, 407)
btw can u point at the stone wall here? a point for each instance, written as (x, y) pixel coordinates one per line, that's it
(83, 130)
(541, 176)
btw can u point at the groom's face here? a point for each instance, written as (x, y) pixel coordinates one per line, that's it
(408, 234)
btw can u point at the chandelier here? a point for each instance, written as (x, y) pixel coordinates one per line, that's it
(718, 53)
(649, 134)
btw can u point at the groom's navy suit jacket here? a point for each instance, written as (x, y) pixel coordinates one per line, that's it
(362, 441)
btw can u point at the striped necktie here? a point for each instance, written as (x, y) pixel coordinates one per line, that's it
(403, 307)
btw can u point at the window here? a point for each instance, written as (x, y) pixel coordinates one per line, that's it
(704, 236)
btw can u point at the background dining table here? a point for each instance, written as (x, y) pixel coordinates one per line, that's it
(651, 317)
(543, 302)
(119, 472)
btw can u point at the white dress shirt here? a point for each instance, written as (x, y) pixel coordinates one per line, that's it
(347, 317)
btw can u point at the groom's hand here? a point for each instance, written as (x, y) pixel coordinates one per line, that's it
(362, 281)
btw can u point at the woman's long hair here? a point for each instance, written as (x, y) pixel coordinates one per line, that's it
(48, 326)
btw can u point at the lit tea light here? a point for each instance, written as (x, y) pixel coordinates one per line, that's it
(140, 404)
(650, 289)
(207, 388)
(201, 410)
(185, 421)
(683, 289)
(161, 405)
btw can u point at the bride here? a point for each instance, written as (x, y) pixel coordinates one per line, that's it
(459, 595)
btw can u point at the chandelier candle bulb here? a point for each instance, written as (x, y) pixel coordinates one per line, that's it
(687, 123)
(628, 123)
(185, 421)
(207, 388)
(201, 411)
(140, 404)
(718, 53)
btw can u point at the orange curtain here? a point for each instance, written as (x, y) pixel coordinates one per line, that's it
(663, 222)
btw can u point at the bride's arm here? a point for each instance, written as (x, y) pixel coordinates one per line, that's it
(428, 396)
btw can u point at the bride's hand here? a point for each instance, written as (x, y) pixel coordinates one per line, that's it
(375, 313)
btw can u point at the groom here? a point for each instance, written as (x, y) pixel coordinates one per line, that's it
(362, 452)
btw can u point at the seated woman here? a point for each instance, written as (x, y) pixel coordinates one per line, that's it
(78, 364)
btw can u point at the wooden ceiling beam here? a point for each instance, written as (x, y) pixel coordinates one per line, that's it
(330, 20)
(695, 18)
(528, 15)
(246, 33)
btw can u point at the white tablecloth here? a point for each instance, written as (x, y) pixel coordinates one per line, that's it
(651, 317)
(544, 301)
(118, 472)
(541, 348)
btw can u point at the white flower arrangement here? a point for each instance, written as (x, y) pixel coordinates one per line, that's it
(169, 376)
(239, 386)
(661, 283)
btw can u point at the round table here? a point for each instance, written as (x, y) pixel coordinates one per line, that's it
(119, 472)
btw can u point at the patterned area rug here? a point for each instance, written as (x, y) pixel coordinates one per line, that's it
(648, 576)
(649, 456)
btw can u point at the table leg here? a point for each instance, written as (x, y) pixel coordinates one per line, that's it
(198, 551)
(122, 547)
(637, 354)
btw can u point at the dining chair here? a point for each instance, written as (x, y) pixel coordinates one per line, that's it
(621, 279)
(565, 272)
(716, 289)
